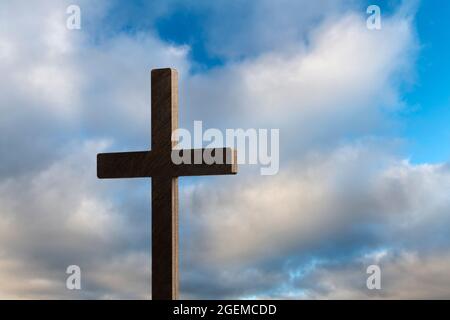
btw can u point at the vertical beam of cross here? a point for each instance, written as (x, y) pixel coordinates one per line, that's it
(164, 92)
(158, 165)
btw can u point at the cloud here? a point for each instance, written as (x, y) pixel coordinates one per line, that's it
(405, 275)
(224, 31)
(249, 28)
(340, 193)
(59, 89)
(65, 216)
(70, 83)
(316, 220)
(317, 93)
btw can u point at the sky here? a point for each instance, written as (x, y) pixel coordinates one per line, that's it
(364, 159)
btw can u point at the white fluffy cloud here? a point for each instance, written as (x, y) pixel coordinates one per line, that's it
(317, 94)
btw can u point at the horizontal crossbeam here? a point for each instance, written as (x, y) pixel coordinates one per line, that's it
(140, 164)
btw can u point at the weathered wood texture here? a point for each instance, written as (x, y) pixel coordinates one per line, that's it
(140, 164)
(158, 165)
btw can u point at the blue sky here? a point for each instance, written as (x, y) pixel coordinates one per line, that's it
(427, 127)
(364, 175)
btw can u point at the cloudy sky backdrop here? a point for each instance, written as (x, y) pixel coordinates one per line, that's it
(364, 144)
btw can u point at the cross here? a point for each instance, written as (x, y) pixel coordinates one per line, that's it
(157, 164)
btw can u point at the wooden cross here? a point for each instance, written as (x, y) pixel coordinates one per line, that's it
(158, 165)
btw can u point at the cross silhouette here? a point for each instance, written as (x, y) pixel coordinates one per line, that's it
(158, 165)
